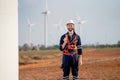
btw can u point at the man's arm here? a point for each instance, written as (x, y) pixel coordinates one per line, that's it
(63, 45)
(80, 60)
(65, 42)
(79, 50)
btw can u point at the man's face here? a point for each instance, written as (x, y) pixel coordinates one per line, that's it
(70, 26)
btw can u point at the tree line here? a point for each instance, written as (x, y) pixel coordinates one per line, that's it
(27, 47)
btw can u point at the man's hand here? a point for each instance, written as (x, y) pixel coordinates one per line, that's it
(65, 39)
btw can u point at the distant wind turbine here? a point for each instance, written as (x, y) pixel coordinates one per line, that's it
(59, 27)
(46, 12)
(79, 24)
(29, 26)
(59, 24)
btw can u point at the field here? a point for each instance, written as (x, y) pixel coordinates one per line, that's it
(98, 64)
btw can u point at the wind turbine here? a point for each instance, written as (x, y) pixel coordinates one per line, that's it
(59, 27)
(79, 24)
(29, 26)
(46, 12)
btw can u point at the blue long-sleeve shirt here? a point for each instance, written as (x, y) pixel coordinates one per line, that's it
(78, 44)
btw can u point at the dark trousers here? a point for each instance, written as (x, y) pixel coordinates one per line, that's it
(70, 63)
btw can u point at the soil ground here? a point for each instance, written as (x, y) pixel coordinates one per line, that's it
(98, 64)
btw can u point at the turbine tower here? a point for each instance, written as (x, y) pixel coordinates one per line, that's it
(29, 26)
(46, 12)
(79, 24)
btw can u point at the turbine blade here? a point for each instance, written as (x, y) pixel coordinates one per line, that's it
(84, 21)
(32, 24)
(46, 6)
(55, 24)
(28, 21)
(78, 18)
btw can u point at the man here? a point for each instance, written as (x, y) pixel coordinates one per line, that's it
(70, 44)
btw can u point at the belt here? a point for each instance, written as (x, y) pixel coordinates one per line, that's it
(69, 54)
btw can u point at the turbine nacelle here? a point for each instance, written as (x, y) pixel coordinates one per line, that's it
(46, 12)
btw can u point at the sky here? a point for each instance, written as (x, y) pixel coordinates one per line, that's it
(103, 25)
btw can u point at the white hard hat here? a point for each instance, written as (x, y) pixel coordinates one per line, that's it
(70, 21)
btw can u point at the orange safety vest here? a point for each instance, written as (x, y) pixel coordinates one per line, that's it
(71, 47)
